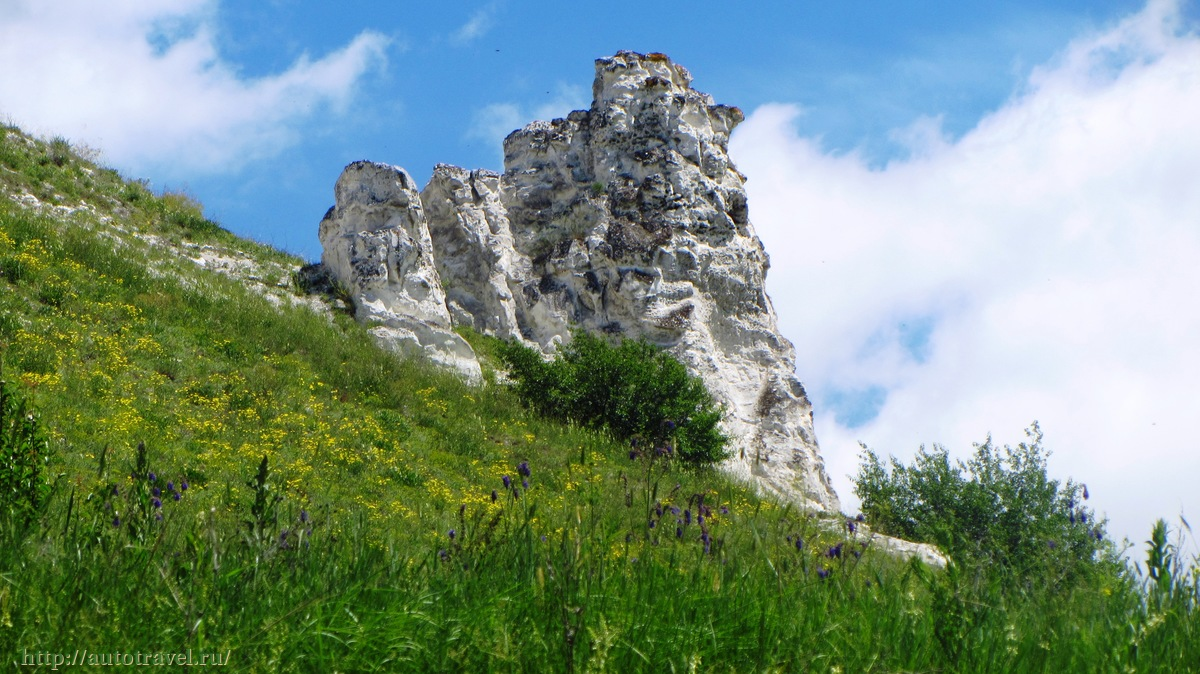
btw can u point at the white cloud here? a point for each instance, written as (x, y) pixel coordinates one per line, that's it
(143, 82)
(492, 123)
(477, 25)
(1055, 248)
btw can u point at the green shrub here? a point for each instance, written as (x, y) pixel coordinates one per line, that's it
(135, 191)
(24, 490)
(187, 214)
(635, 389)
(59, 151)
(999, 507)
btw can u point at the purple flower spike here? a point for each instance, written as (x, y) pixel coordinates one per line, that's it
(653, 523)
(116, 490)
(175, 495)
(700, 520)
(451, 534)
(156, 503)
(678, 532)
(116, 521)
(822, 573)
(158, 516)
(633, 455)
(303, 515)
(1085, 492)
(525, 484)
(152, 477)
(860, 518)
(507, 481)
(170, 486)
(1083, 517)
(156, 492)
(183, 486)
(850, 526)
(687, 517)
(523, 469)
(799, 544)
(724, 510)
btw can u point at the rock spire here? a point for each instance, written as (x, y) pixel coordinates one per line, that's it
(628, 218)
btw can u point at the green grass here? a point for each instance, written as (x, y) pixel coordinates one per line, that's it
(118, 341)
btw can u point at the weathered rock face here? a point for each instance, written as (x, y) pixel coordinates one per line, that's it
(376, 243)
(476, 258)
(627, 218)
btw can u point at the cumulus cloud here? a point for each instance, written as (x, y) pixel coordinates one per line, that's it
(492, 123)
(143, 82)
(1042, 266)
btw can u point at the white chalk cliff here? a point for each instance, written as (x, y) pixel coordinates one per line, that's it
(376, 244)
(629, 219)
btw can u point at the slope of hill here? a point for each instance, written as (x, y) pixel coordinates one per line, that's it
(239, 472)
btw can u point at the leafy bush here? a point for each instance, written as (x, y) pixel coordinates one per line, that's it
(23, 454)
(59, 151)
(998, 507)
(635, 389)
(136, 191)
(184, 212)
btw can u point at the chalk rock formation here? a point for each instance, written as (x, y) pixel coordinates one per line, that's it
(628, 219)
(376, 243)
(476, 256)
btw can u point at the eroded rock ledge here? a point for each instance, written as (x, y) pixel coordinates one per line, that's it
(627, 218)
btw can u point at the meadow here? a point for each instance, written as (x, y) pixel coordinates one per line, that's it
(214, 468)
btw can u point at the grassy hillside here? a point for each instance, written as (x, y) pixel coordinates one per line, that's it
(306, 501)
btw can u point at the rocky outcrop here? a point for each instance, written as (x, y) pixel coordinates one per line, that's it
(376, 244)
(476, 257)
(629, 219)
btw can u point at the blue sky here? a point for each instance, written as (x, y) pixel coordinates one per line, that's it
(443, 83)
(979, 214)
